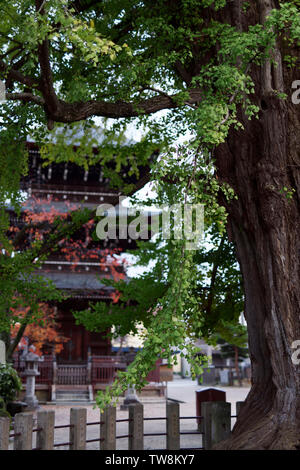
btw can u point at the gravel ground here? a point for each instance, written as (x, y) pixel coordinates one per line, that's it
(181, 390)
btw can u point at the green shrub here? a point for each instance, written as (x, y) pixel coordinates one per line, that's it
(10, 384)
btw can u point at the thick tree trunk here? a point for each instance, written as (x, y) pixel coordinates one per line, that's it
(264, 223)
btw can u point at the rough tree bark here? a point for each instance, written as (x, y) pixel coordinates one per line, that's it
(265, 226)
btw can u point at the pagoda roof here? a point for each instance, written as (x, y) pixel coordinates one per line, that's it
(80, 285)
(74, 280)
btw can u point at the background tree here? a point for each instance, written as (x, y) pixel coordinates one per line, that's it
(43, 334)
(213, 65)
(21, 293)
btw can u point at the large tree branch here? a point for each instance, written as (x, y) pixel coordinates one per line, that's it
(26, 98)
(70, 112)
(17, 76)
(84, 5)
(46, 82)
(60, 111)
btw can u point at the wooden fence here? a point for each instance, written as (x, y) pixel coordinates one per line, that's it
(216, 426)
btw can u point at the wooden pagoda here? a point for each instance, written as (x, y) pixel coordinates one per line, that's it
(86, 360)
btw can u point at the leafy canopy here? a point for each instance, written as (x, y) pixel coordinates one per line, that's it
(70, 61)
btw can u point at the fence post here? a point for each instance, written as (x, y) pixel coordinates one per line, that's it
(23, 430)
(4, 433)
(78, 428)
(108, 429)
(173, 426)
(54, 370)
(89, 370)
(217, 422)
(238, 407)
(136, 426)
(45, 435)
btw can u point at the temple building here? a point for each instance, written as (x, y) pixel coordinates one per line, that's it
(87, 360)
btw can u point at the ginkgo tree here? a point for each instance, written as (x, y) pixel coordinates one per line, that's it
(227, 73)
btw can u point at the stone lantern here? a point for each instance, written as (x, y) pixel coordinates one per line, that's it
(31, 371)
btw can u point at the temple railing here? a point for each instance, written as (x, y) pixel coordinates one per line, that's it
(97, 370)
(104, 370)
(71, 374)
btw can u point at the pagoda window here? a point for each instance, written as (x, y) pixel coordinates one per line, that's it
(49, 172)
(65, 172)
(39, 169)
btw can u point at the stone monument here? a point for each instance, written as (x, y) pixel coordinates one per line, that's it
(208, 376)
(224, 377)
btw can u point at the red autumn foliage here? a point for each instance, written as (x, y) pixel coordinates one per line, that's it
(44, 334)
